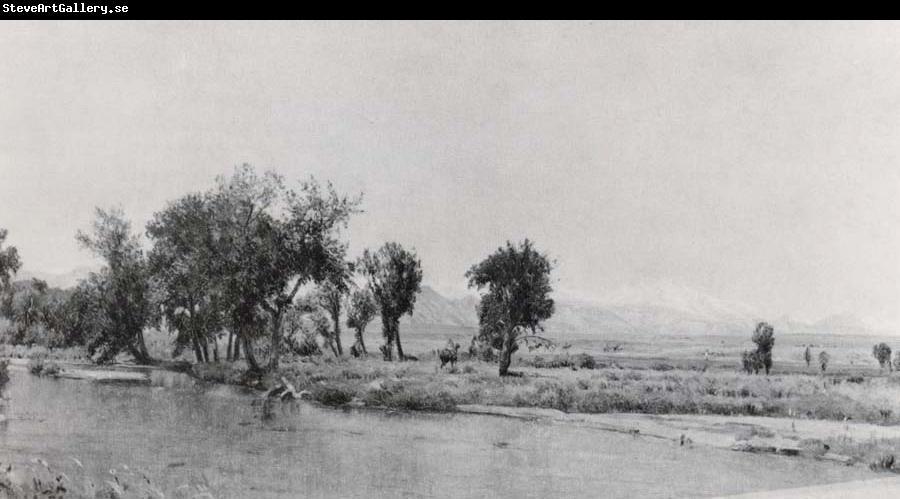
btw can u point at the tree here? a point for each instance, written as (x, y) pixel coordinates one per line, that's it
(395, 277)
(823, 360)
(764, 337)
(882, 353)
(361, 309)
(121, 288)
(330, 296)
(9, 261)
(181, 265)
(517, 298)
(807, 356)
(268, 241)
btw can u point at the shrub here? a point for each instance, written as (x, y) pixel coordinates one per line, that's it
(585, 361)
(332, 396)
(36, 365)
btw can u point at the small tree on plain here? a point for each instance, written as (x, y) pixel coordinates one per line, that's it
(823, 360)
(764, 337)
(897, 360)
(517, 298)
(882, 353)
(807, 356)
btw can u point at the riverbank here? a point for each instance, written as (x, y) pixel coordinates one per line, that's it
(852, 416)
(218, 439)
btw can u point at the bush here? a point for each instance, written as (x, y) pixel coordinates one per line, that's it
(585, 361)
(36, 365)
(332, 396)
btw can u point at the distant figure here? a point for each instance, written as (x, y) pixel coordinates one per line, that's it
(449, 354)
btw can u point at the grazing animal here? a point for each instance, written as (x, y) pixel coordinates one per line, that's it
(449, 354)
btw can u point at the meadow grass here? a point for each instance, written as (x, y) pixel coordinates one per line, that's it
(661, 390)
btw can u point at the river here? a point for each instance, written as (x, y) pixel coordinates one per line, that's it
(179, 431)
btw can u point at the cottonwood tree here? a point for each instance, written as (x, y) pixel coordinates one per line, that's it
(882, 353)
(268, 242)
(361, 309)
(182, 265)
(9, 261)
(764, 337)
(121, 289)
(330, 296)
(395, 277)
(516, 280)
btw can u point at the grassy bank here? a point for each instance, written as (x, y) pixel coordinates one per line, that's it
(657, 389)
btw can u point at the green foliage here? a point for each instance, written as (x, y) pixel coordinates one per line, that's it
(516, 280)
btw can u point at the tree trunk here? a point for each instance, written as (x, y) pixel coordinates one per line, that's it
(387, 350)
(396, 327)
(337, 331)
(236, 355)
(359, 339)
(248, 352)
(142, 348)
(506, 352)
(204, 345)
(276, 340)
(198, 355)
(228, 355)
(215, 342)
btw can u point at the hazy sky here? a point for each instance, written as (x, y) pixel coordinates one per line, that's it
(757, 162)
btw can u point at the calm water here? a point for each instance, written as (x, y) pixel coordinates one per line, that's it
(178, 432)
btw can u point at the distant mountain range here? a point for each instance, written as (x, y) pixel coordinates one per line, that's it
(660, 308)
(64, 280)
(653, 309)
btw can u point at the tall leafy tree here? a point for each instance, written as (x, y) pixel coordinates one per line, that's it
(268, 242)
(121, 288)
(395, 278)
(361, 309)
(516, 299)
(331, 295)
(183, 269)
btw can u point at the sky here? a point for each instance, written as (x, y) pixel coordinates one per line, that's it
(757, 162)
